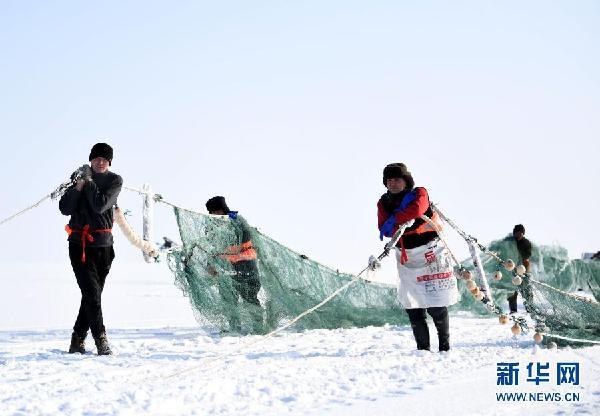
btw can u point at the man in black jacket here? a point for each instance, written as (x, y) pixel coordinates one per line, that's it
(524, 248)
(90, 203)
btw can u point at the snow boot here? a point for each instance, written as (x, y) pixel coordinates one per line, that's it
(512, 302)
(77, 343)
(421, 333)
(102, 345)
(442, 324)
(271, 317)
(418, 322)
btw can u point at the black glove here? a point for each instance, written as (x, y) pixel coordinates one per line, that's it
(84, 172)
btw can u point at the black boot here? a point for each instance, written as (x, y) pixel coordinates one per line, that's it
(420, 330)
(77, 344)
(512, 302)
(102, 345)
(421, 333)
(442, 324)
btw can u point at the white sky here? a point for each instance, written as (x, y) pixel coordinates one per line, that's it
(292, 110)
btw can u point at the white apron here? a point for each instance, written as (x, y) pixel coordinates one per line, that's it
(427, 279)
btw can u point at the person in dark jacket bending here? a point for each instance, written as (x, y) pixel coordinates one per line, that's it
(426, 281)
(524, 248)
(242, 256)
(90, 203)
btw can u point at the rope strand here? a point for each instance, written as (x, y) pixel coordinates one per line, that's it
(25, 210)
(336, 292)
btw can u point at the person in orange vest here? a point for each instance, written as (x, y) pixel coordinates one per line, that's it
(89, 202)
(426, 281)
(242, 257)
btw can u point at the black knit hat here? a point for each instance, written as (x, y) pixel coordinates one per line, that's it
(398, 170)
(102, 150)
(217, 203)
(519, 228)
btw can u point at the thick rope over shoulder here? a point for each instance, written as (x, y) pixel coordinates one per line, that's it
(146, 246)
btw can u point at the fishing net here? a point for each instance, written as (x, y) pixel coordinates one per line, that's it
(224, 294)
(290, 283)
(561, 295)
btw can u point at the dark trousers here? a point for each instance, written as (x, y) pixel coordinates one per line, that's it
(418, 322)
(512, 302)
(91, 276)
(246, 285)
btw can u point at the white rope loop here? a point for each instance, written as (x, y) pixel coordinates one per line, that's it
(146, 246)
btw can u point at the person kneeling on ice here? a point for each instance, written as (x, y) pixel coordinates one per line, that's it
(242, 257)
(90, 203)
(426, 276)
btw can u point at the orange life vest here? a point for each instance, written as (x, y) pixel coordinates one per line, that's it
(243, 252)
(425, 227)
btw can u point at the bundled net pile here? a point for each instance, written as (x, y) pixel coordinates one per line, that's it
(562, 294)
(290, 282)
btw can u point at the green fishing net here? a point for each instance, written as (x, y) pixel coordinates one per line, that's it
(564, 302)
(290, 283)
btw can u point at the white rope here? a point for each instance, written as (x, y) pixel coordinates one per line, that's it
(206, 364)
(494, 255)
(159, 198)
(531, 279)
(151, 250)
(440, 234)
(463, 234)
(25, 210)
(570, 339)
(386, 251)
(572, 295)
(146, 246)
(59, 191)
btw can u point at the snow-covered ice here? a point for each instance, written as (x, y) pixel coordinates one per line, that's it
(165, 364)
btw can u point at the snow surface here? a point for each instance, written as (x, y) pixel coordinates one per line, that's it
(165, 364)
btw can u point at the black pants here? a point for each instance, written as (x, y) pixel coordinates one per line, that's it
(246, 285)
(91, 276)
(418, 322)
(246, 281)
(512, 302)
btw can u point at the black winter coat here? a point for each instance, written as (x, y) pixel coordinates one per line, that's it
(93, 205)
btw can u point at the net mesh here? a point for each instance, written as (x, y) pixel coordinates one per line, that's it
(560, 297)
(290, 283)
(225, 294)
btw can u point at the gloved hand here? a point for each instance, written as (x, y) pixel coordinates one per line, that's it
(210, 269)
(387, 229)
(233, 214)
(374, 263)
(84, 172)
